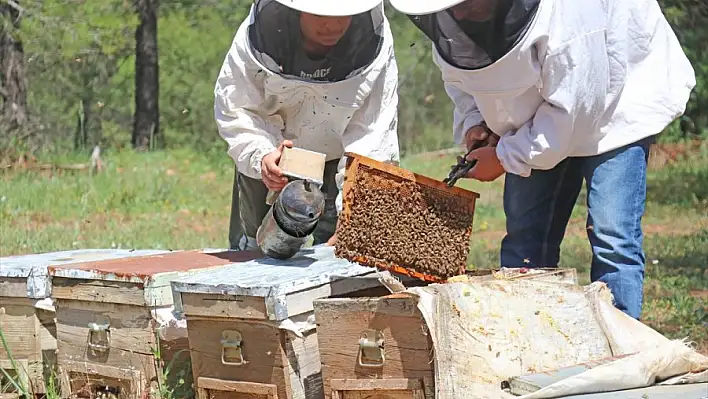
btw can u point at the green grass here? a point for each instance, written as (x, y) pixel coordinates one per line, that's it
(181, 200)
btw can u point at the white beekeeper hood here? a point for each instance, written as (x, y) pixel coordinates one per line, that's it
(471, 34)
(277, 38)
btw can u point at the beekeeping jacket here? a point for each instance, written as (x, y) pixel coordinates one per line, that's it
(557, 78)
(268, 91)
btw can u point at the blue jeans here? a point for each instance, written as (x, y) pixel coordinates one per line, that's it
(538, 208)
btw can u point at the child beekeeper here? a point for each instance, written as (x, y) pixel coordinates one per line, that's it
(573, 91)
(315, 74)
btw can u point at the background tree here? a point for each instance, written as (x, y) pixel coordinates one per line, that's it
(13, 90)
(92, 72)
(146, 124)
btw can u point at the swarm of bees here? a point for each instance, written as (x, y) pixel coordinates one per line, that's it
(392, 221)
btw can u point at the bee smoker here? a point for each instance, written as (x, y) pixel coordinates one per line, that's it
(291, 219)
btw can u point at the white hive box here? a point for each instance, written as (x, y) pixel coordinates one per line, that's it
(251, 326)
(116, 331)
(27, 317)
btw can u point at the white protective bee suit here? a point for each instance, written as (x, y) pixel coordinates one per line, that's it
(576, 90)
(261, 99)
(576, 78)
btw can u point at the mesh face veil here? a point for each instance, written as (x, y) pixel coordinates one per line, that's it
(476, 33)
(311, 47)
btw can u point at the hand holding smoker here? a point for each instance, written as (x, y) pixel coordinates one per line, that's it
(296, 209)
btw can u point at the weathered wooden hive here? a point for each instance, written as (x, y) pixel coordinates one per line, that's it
(116, 329)
(27, 311)
(379, 347)
(251, 327)
(397, 220)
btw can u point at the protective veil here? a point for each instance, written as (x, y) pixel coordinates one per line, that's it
(556, 78)
(269, 89)
(277, 42)
(482, 34)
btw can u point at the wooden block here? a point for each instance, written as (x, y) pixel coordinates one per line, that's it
(406, 370)
(303, 164)
(298, 163)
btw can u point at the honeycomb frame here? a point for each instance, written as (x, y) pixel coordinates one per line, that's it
(430, 211)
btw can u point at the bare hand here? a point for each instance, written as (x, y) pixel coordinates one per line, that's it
(332, 240)
(271, 174)
(480, 133)
(488, 167)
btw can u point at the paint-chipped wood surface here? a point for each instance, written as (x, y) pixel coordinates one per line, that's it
(407, 348)
(137, 280)
(141, 269)
(32, 269)
(287, 287)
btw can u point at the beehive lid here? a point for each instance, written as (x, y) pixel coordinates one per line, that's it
(288, 287)
(34, 267)
(153, 273)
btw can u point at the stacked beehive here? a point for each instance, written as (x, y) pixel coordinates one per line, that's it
(108, 323)
(27, 313)
(251, 327)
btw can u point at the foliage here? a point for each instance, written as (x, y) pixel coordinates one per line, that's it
(12, 381)
(689, 19)
(80, 61)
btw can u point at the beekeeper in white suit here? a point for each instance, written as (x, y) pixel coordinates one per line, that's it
(574, 91)
(317, 74)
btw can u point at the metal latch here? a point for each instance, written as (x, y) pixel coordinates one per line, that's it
(99, 338)
(371, 349)
(231, 348)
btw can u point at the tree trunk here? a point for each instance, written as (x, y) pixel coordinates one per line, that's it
(13, 88)
(146, 122)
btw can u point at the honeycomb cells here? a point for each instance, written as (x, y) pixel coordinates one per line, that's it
(394, 221)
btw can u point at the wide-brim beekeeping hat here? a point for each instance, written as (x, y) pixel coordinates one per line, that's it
(331, 8)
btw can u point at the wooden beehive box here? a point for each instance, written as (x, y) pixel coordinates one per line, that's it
(404, 222)
(251, 328)
(27, 311)
(115, 326)
(378, 347)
